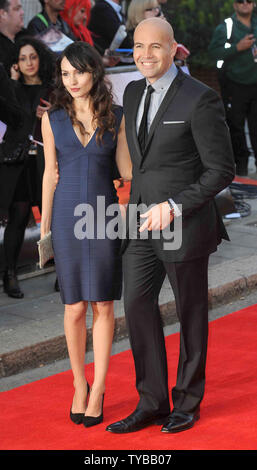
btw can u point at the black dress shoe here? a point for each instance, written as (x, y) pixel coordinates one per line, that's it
(11, 285)
(180, 421)
(139, 419)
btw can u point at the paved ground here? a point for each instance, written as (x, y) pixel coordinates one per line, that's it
(32, 343)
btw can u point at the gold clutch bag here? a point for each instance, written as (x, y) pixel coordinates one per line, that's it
(45, 249)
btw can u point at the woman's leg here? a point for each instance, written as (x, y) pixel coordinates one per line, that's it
(75, 332)
(18, 218)
(103, 328)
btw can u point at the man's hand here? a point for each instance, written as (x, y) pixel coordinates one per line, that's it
(157, 218)
(109, 59)
(245, 43)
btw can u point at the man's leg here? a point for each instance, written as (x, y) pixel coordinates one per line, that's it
(189, 281)
(252, 120)
(143, 277)
(236, 120)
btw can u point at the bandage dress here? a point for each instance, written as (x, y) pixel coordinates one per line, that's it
(87, 258)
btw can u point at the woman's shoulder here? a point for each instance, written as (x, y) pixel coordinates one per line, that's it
(117, 108)
(57, 114)
(118, 111)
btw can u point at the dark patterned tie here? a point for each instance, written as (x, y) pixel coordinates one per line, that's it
(143, 131)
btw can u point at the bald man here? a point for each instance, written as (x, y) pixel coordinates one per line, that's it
(182, 157)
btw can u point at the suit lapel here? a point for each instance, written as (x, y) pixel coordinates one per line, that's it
(174, 87)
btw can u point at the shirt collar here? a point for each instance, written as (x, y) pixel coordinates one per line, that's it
(58, 20)
(165, 81)
(114, 5)
(6, 37)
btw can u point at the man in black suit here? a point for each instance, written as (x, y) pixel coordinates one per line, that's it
(11, 28)
(105, 19)
(10, 112)
(182, 157)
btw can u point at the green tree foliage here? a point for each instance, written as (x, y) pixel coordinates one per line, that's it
(194, 22)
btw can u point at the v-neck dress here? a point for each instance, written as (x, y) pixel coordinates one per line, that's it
(87, 260)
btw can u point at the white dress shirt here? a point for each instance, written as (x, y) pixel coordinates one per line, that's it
(161, 87)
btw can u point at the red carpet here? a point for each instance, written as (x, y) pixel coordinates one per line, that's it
(35, 416)
(244, 180)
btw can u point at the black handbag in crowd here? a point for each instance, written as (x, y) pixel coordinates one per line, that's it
(14, 155)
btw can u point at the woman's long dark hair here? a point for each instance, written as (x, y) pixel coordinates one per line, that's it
(85, 58)
(46, 58)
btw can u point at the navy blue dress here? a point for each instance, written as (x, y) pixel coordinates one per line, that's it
(88, 263)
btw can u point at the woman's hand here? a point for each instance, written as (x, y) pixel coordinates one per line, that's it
(45, 225)
(118, 183)
(15, 73)
(42, 109)
(43, 231)
(56, 174)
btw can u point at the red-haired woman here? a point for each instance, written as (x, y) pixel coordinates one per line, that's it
(77, 13)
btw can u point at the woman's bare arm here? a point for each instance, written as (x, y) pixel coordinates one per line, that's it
(123, 159)
(50, 177)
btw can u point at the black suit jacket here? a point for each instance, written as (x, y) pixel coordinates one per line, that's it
(10, 111)
(103, 24)
(188, 158)
(7, 50)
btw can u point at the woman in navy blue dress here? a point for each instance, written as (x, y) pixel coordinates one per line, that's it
(84, 134)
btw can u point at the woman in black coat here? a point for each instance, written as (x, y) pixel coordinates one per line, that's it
(10, 111)
(21, 181)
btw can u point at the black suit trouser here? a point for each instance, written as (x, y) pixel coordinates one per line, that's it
(144, 274)
(241, 103)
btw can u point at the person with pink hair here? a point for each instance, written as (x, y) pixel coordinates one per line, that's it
(77, 13)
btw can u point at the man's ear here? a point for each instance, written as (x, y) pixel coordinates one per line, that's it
(174, 48)
(3, 13)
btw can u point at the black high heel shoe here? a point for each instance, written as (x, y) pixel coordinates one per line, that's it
(11, 285)
(89, 421)
(77, 418)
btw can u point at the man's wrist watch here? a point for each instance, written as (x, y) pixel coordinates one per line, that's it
(171, 206)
